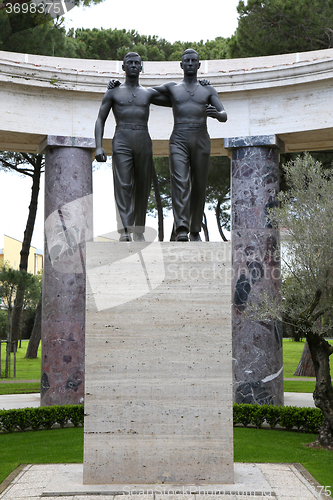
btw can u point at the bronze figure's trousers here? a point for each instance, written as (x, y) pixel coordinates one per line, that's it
(132, 159)
(189, 150)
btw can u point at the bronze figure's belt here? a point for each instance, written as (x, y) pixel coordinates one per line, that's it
(197, 126)
(131, 126)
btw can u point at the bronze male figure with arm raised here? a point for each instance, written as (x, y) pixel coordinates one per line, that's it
(189, 146)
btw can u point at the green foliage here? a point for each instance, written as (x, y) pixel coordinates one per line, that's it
(27, 320)
(111, 44)
(31, 34)
(307, 256)
(288, 417)
(15, 20)
(292, 417)
(268, 27)
(242, 414)
(272, 415)
(306, 210)
(10, 280)
(26, 31)
(41, 417)
(211, 49)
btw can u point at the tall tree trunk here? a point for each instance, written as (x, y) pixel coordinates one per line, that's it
(205, 227)
(16, 314)
(305, 366)
(8, 347)
(18, 305)
(35, 336)
(217, 215)
(158, 205)
(323, 394)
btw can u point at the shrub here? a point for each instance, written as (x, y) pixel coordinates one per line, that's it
(42, 417)
(287, 417)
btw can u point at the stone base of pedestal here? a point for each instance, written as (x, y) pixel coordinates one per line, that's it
(158, 399)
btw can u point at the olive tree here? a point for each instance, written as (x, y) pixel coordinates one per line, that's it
(306, 301)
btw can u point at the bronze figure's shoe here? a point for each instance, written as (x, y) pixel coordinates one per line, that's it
(125, 236)
(182, 236)
(138, 237)
(195, 237)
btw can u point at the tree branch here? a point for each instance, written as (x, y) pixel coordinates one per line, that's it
(217, 215)
(306, 314)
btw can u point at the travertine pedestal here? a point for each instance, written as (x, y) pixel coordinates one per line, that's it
(158, 396)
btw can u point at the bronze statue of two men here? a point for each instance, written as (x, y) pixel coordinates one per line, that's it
(189, 145)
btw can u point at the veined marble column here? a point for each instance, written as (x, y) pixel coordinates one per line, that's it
(68, 225)
(257, 345)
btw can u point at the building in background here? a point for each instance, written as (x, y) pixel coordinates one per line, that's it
(10, 253)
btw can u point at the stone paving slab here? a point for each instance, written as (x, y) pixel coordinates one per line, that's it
(68, 480)
(13, 401)
(259, 481)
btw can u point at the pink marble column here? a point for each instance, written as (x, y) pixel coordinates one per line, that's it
(257, 345)
(68, 225)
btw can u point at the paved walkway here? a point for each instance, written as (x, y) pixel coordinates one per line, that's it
(259, 481)
(11, 381)
(11, 401)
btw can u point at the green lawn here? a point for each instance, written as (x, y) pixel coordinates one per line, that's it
(275, 446)
(40, 447)
(299, 386)
(26, 369)
(19, 388)
(250, 445)
(292, 352)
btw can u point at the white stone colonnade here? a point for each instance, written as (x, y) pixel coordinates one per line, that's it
(276, 103)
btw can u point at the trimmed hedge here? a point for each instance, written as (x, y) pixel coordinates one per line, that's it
(41, 417)
(286, 417)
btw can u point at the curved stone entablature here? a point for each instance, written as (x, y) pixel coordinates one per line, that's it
(288, 95)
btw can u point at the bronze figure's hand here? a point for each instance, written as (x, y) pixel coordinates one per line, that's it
(100, 155)
(211, 111)
(113, 84)
(204, 82)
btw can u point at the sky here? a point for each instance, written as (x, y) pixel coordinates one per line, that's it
(172, 21)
